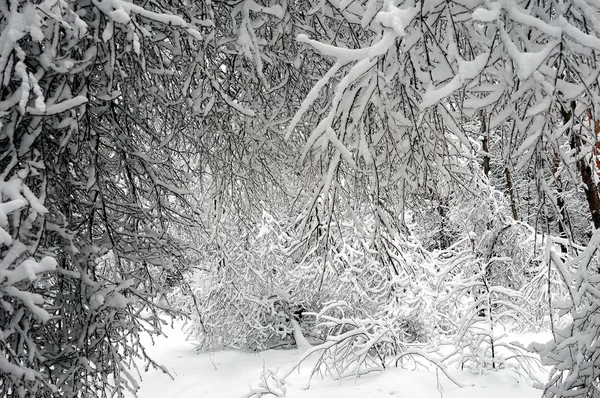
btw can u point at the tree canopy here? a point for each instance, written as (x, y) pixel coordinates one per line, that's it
(385, 166)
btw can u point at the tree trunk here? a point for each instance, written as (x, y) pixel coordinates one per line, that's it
(560, 203)
(511, 194)
(590, 188)
(485, 143)
(583, 165)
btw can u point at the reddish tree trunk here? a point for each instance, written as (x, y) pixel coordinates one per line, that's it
(585, 169)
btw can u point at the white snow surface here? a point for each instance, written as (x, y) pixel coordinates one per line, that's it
(231, 374)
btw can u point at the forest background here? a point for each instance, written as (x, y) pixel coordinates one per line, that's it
(384, 177)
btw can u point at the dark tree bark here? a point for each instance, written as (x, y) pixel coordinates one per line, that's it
(563, 222)
(485, 144)
(511, 194)
(589, 186)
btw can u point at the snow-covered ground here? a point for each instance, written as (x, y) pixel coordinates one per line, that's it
(230, 374)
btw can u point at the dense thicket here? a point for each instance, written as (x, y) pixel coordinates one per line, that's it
(389, 166)
(97, 152)
(468, 129)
